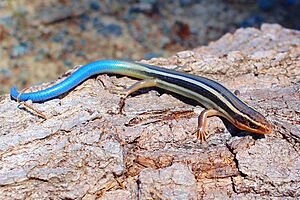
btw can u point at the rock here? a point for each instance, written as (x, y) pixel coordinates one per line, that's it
(86, 149)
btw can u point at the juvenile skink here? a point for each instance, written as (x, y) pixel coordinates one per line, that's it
(214, 97)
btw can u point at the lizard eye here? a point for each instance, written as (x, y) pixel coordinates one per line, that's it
(252, 125)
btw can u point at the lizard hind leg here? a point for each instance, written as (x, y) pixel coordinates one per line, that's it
(41, 114)
(133, 88)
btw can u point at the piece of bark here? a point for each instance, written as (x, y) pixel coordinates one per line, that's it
(87, 150)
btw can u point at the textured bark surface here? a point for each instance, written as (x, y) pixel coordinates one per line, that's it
(87, 150)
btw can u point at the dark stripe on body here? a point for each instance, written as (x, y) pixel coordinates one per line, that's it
(195, 88)
(230, 97)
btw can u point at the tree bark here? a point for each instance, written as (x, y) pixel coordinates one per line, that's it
(86, 149)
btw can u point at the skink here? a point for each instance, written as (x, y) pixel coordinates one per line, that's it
(214, 97)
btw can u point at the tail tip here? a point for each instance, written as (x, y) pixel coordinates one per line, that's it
(14, 93)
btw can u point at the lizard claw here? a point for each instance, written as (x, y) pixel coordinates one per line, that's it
(201, 135)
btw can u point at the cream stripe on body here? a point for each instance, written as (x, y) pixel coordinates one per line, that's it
(175, 88)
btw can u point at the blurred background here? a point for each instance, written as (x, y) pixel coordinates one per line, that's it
(40, 40)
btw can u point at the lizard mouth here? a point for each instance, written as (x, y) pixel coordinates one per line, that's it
(260, 128)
